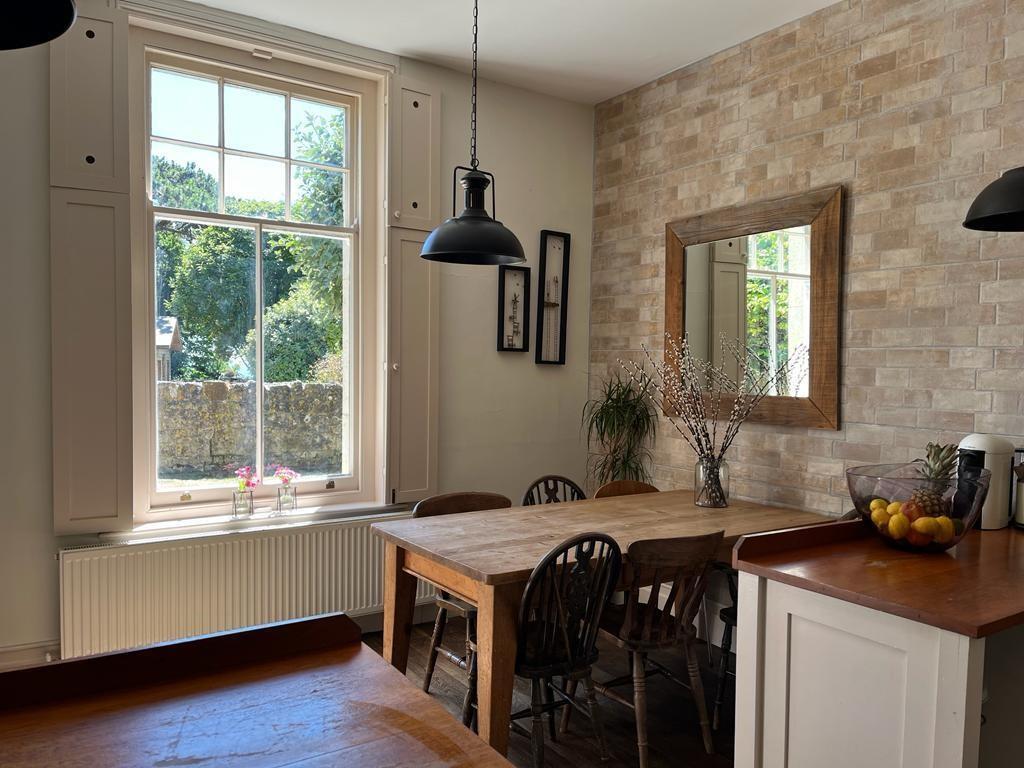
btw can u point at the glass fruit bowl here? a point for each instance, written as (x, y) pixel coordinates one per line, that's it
(912, 512)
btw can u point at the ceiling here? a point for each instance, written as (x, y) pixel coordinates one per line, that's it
(582, 50)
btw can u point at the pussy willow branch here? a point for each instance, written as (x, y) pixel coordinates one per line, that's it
(682, 381)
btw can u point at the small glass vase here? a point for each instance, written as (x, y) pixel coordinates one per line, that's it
(711, 483)
(286, 501)
(241, 505)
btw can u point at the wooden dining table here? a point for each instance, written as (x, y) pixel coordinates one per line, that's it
(487, 557)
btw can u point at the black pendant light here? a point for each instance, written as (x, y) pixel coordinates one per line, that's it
(473, 237)
(1000, 206)
(35, 22)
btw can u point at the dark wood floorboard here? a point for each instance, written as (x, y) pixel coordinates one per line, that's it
(673, 730)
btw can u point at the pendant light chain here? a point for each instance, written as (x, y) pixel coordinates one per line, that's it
(472, 120)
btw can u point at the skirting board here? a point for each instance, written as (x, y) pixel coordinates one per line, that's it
(28, 654)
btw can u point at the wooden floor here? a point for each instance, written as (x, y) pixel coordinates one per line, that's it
(673, 730)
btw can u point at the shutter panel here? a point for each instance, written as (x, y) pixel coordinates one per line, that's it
(412, 368)
(90, 286)
(415, 156)
(89, 101)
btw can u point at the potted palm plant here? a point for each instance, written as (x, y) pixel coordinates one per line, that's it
(621, 423)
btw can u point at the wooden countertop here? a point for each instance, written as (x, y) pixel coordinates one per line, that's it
(504, 545)
(265, 698)
(974, 589)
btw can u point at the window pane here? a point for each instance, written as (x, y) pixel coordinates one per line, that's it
(184, 107)
(759, 298)
(184, 177)
(764, 251)
(254, 120)
(318, 132)
(318, 195)
(205, 320)
(254, 187)
(798, 250)
(305, 355)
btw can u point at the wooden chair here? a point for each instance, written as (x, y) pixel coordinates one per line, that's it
(728, 617)
(640, 626)
(552, 489)
(559, 620)
(624, 488)
(452, 504)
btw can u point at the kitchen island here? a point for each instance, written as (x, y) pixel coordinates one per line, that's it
(853, 653)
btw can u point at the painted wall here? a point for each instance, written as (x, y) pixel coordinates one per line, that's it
(504, 420)
(913, 106)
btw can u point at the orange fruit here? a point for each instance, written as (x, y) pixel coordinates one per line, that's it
(918, 539)
(912, 510)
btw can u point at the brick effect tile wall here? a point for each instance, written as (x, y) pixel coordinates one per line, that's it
(914, 107)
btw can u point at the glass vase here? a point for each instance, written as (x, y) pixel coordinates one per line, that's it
(711, 482)
(241, 505)
(286, 501)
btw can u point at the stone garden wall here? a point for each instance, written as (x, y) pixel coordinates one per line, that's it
(205, 426)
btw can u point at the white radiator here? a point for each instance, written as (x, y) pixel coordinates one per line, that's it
(128, 595)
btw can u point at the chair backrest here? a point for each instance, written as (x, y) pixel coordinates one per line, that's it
(681, 563)
(562, 605)
(624, 488)
(552, 489)
(453, 503)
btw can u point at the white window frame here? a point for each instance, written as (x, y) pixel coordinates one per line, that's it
(364, 484)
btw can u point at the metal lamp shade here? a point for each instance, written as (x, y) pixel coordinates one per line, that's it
(473, 237)
(36, 22)
(1000, 206)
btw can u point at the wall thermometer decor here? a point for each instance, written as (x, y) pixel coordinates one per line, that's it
(553, 298)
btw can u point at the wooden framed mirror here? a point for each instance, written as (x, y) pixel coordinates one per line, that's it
(768, 275)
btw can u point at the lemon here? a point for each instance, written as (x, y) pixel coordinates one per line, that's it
(894, 507)
(880, 517)
(946, 529)
(899, 526)
(929, 526)
(878, 504)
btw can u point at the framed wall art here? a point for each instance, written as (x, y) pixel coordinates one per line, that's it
(553, 297)
(513, 309)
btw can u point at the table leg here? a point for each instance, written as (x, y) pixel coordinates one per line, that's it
(399, 604)
(496, 659)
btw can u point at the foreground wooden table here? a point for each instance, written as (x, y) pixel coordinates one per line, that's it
(300, 694)
(486, 558)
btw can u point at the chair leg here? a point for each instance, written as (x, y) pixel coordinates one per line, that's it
(697, 686)
(595, 714)
(640, 704)
(723, 670)
(435, 641)
(570, 690)
(549, 701)
(469, 702)
(707, 629)
(537, 709)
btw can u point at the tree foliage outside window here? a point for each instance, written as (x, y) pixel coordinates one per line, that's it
(205, 273)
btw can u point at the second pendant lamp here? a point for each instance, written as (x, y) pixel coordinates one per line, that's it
(473, 237)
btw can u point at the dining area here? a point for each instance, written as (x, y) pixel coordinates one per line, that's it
(585, 604)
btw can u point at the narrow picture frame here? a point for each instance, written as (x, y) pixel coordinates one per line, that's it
(552, 297)
(513, 309)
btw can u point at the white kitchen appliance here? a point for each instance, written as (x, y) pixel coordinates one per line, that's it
(996, 455)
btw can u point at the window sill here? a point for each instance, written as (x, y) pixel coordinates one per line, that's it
(171, 530)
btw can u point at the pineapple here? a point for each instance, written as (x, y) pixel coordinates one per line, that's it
(936, 469)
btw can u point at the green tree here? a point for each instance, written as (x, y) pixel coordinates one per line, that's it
(296, 332)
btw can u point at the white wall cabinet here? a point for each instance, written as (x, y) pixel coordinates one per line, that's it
(91, 361)
(89, 101)
(415, 156)
(412, 368)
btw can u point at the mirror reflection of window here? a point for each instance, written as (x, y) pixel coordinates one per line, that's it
(755, 290)
(778, 304)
